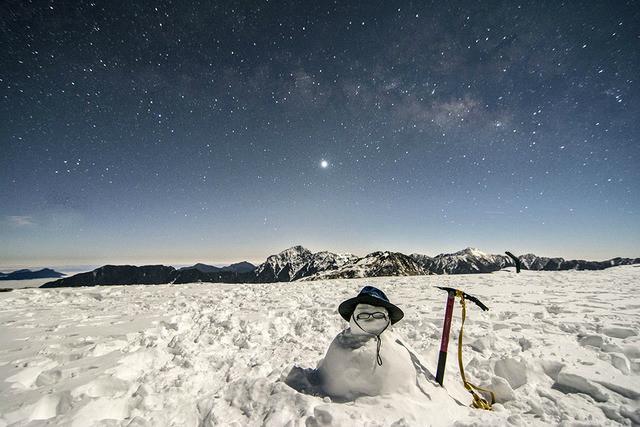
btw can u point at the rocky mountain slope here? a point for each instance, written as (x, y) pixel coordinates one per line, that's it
(466, 261)
(373, 265)
(533, 262)
(239, 267)
(298, 262)
(117, 275)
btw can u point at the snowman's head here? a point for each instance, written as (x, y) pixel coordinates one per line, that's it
(369, 319)
(374, 297)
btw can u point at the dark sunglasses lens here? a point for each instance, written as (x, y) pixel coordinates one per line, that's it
(377, 315)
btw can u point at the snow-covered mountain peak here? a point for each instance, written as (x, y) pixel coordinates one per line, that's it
(473, 252)
(529, 256)
(294, 251)
(296, 262)
(295, 254)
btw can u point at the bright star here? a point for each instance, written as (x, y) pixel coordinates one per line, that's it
(324, 164)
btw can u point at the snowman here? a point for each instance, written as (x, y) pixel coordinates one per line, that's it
(367, 359)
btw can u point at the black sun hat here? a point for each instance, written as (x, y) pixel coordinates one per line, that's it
(372, 296)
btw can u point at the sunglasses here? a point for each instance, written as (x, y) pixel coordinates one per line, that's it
(376, 315)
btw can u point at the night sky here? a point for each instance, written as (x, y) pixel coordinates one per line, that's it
(176, 132)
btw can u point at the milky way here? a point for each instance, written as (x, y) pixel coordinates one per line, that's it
(198, 131)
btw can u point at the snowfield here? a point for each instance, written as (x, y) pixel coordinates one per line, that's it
(559, 348)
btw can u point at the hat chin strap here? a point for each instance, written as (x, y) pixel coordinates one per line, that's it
(379, 342)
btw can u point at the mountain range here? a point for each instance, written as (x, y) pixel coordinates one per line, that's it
(26, 274)
(300, 264)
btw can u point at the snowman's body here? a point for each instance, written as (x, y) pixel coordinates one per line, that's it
(350, 367)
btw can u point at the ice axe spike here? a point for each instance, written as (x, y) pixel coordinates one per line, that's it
(446, 328)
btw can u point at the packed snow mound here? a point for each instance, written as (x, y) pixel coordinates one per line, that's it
(350, 370)
(558, 348)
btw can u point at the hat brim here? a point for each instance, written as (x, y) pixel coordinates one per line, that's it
(346, 308)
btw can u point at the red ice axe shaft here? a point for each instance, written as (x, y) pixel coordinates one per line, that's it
(444, 343)
(448, 314)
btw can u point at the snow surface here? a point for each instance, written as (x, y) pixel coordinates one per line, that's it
(556, 347)
(25, 283)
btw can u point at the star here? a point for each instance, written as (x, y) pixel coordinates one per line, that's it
(324, 164)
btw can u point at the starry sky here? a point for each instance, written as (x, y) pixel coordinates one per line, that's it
(177, 132)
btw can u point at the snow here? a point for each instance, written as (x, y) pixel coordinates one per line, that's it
(25, 283)
(556, 347)
(352, 372)
(351, 367)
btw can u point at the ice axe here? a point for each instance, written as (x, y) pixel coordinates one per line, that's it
(516, 261)
(444, 343)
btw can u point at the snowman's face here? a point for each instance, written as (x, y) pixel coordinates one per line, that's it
(371, 318)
